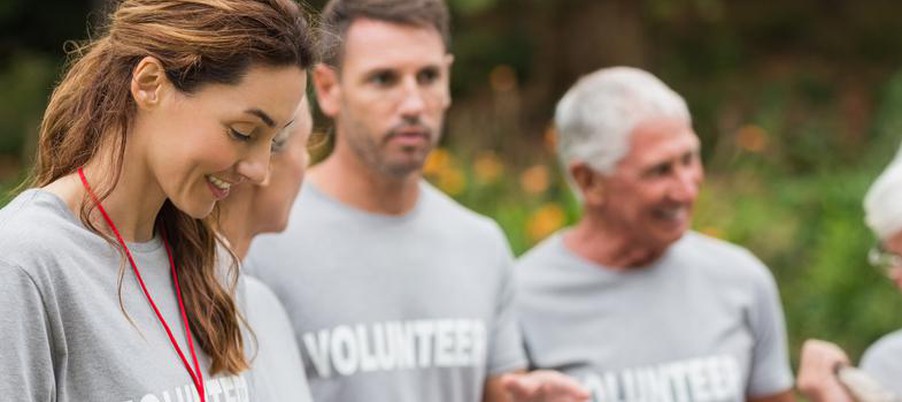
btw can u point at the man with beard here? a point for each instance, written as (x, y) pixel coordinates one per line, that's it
(396, 292)
(629, 301)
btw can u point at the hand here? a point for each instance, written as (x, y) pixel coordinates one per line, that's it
(543, 386)
(817, 378)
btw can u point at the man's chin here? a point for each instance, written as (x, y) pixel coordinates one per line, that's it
(668, 238)
(404, 169)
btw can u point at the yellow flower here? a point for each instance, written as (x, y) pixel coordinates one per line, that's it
(452, 181)
(545, 221)
(487, 168)
(713, 232)
(535, 180)
(439, 159)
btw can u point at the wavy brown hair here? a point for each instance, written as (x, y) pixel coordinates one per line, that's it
(91, 110)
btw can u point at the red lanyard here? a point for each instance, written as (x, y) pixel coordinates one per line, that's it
(196, 375)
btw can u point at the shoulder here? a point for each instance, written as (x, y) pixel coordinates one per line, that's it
(722, 257)
(887, 348)
(34, 226)
(25, 291)
(881, 361)
(21, 214)
(550, 265)
(264, 312)
(543, 254)
(257, 293)
(715, 247)
(439, 205)
(14, 276)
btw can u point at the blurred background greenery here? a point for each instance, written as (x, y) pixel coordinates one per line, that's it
(798, 104)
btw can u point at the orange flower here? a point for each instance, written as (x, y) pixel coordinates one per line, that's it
(545, 221)
(535, 180)
(451, 181)
(439, 159)
(487, 168)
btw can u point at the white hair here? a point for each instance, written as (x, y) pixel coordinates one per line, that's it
(596, 116)
(883, 202)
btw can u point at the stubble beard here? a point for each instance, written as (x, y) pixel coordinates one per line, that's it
(373, 153)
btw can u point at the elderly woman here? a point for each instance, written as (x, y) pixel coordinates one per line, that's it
(883, 360)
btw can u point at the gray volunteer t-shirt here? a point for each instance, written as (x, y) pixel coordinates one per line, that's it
(703, 323)
(394, 308)
(276, 360)
(63, 333)
(883, 361)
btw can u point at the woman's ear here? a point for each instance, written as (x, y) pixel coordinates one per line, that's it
(148, 81)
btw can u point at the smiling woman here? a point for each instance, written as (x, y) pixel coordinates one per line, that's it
(109, 262)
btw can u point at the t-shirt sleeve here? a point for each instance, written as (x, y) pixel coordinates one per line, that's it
(505, 349)
(770, 372)
(25, 354)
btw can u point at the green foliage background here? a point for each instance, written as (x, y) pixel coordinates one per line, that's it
(798, 104)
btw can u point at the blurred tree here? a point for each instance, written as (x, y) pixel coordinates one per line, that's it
(32, 52)
(43, 27)
(797, 104)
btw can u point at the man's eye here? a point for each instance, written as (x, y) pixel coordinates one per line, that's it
(383, 79)
(239, 135)
(428, 76)
(660, 170)
(689, 158)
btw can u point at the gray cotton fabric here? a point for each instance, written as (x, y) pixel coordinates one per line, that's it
(276, 360)
(703, 323)
(63, 334)
(883, 361)
(394, 308)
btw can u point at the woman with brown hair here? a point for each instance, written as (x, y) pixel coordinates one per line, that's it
(111, 286)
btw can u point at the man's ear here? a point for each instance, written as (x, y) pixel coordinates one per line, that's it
(328, 89)
(448, 61)
(590, 183)
(148, 82)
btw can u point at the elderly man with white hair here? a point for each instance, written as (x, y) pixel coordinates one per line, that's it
(882, 361)
(629, 301)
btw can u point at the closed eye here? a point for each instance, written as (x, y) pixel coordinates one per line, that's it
(235, 134)
(278, 144)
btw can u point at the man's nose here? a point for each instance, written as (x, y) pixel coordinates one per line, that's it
(686, 183)
(412, 98)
